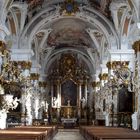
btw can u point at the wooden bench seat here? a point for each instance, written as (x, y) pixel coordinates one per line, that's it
(20, 135)
(52, 130)
(108, 133)
(28, 133)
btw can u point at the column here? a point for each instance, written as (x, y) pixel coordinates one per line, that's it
(58, 94)
(27, 95)
(85, 91)
(95, 100)
(109, 111)
(23, 57)
(44, 112)
(34, 77)
(52, 90)
(58, 99)
(79, 99)
(2, 48)
(3, 113)
(110, 66)
(136, 78)
(136, 87)
(84, 100)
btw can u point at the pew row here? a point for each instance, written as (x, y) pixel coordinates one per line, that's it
(51, 130)
(108, 133)
(28, 133)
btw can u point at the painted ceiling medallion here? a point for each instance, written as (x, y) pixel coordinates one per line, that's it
(70, 7)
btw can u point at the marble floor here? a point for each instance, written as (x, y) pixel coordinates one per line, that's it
(68, 134)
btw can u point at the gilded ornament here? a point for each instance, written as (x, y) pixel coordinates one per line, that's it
(69, 7)
(109, 65)
(93, 84)
(2, 47)
(103, 76)
(25, 64)
(42, 84)
(34, 76)
(136, 46)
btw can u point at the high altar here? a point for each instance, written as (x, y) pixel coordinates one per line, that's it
(68, 94)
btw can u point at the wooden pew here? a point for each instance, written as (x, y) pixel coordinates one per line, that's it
(49, 130)
(21, 135)
(52, 130)
(28, 133)
(108, 133)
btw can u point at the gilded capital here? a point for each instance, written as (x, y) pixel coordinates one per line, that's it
(25, 64)
(125, 63)
(136, 46)
(42, 84)
(103, 76)
(95, 84)
(2, 46)
(109, 65)
(34, 76)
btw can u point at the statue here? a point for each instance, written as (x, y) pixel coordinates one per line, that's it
(15, 103)
(46, 106)
(68, 102)
(54, 102)
(83, 102)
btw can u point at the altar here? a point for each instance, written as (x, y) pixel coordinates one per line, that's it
(69, 122)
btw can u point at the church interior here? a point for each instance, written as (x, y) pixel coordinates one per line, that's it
(69, 66)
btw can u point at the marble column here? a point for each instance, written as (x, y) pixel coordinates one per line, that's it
(26, 116)
(110, 69)
(85, 91)
(79, 99)
(52, 90)
(3, 113)
(34, 77)
(109, 118)
(136, 79)
(58, 99)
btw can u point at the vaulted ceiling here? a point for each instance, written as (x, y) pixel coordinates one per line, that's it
(82, 28)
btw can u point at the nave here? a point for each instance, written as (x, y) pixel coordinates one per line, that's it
(69, 62)
(68, 134)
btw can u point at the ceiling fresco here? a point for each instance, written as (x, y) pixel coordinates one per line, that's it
(69, 32)
(101, 5)
(79, 29)
(69, 37)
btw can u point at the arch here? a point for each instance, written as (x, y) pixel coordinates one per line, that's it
(81, 16)
(55, 55)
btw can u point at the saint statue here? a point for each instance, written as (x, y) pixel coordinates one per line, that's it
(83, 102)
(68, 102)
(46, 106)
(54, 102)
(15, 103)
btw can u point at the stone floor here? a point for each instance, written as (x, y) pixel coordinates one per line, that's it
(68, 134)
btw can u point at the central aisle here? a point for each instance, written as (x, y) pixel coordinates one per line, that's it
(68, 134)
